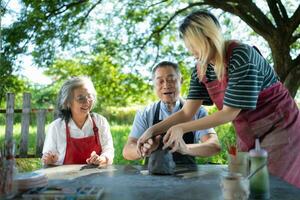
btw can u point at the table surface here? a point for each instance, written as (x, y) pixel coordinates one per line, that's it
(128, 182)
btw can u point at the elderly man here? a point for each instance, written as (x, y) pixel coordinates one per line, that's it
(167, 83)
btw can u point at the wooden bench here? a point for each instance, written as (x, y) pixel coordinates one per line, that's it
(25, 120)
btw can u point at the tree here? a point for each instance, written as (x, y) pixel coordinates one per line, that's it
(281, 31)
(147, 30)
(113, 87)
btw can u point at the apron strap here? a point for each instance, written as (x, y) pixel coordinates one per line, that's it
(96, 130)
(230, 47)
(156, 115)
(67, 131)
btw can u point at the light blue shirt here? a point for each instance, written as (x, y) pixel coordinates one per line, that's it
(144, 119)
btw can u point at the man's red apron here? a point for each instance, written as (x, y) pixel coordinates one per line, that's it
(79, 149)
(275, 121)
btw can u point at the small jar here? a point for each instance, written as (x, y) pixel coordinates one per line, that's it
(239, 163)
(234, 187)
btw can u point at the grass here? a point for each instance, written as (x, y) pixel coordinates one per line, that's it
(17, 137)
(28, 164)
(120, 133)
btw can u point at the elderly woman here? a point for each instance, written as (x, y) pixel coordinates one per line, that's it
(78, 136)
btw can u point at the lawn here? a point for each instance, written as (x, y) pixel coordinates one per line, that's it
(120, 133)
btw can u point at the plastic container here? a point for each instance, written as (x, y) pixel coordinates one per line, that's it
(259, 183)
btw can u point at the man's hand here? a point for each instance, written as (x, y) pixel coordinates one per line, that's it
(50, 158)
(150, 145)
(143, 139)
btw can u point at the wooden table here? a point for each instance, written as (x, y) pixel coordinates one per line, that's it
(124, 182)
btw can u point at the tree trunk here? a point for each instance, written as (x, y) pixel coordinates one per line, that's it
(286, 69)
(292, 81)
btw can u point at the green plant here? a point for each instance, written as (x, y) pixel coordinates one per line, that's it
(120, 134)
(120, 120)
(226, 135)
(120, 115)
(28, 164)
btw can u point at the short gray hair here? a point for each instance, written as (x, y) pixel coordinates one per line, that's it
(166, 64)
(65, 95)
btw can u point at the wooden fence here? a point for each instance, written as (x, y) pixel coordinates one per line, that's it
(25, 120)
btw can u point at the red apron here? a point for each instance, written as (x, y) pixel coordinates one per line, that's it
(275, 121)
(79, 149)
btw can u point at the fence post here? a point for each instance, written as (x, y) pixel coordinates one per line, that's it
(40, 137)
(10, 101)
(25, 125)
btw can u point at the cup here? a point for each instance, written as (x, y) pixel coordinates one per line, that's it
(234, 187)
(239, 163)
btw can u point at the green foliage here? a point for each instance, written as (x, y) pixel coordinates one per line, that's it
(156, 42)
(134, 34)
(296, 45)
(41, 23)
(11, 84)
(226, 135)
(120, 134)
(186, 75)
(120, 120)
(44, 97)
(120, 115)
(113, 87)
(47, 26)
(17, 137)
(28, 164)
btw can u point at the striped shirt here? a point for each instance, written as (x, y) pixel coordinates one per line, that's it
(248, 73)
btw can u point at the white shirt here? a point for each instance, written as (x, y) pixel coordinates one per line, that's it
(56, 136)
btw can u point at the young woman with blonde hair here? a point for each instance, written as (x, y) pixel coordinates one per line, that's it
(247, 92)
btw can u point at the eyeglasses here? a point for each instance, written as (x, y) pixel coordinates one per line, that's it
(84, 98)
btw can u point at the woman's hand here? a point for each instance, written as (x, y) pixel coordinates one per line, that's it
(50, 158)
(182, 147)
(142, 140)
(97, 160)
(173, 138)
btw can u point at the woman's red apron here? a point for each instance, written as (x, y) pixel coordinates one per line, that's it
(275, 121)
(79, 149)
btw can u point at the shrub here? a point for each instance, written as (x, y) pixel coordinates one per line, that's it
(226, 135)
(120, 115)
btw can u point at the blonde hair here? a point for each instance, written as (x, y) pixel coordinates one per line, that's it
(203, 30)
